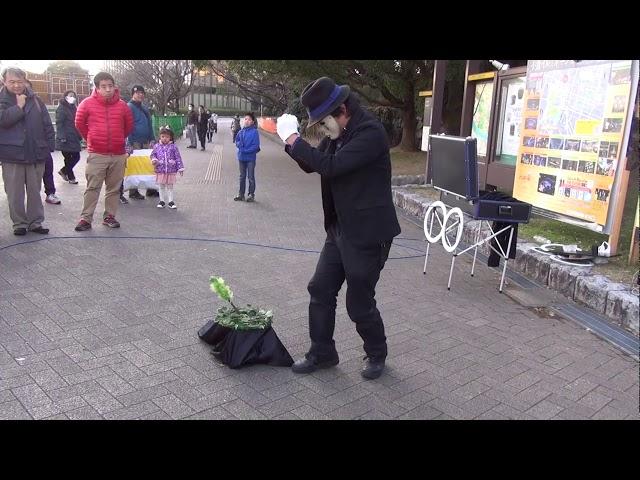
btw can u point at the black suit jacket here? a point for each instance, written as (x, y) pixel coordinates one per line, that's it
(356, 180)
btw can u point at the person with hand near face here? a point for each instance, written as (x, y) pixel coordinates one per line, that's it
(27, 138)
(359, 217)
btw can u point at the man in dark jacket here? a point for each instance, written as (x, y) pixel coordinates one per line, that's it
(203, 124)
(192, 126)
(359, 218)
(27, 139)
(141, 137)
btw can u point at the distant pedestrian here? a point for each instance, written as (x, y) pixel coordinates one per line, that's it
(203, 122)
(248, 143)
(67, 135)
(192, 126)
(235, 127)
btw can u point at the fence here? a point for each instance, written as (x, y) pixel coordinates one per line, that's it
(175, 122)
(268, 124)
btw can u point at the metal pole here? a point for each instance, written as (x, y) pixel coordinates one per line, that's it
(426, 257)
(475, 253)
(506, 258)
(453, 260)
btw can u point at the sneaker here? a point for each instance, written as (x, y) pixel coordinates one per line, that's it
(161, 204)
(239, 198)
(52, 198)
(63, 175)
(136, 196)
(111, 222)
(123, 200)
(20, 231)
(82, 226)
(251, 198)
(172, 205)
(73, 181)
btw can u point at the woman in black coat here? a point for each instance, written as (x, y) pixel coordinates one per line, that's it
(203, 125)
(67, 136)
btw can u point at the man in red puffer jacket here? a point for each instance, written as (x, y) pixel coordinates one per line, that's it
(105, 121)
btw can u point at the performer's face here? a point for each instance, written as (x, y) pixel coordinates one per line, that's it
(330, 127)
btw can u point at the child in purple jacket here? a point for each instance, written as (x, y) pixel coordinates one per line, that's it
(168, 162)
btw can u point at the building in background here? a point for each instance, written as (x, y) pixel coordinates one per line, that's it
(51, 86)
(208, 89)
(215, 94)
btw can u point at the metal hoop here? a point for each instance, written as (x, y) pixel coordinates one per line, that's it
(454, 212)
(428, 221)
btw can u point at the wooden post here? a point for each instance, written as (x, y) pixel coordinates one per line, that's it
(614, 235)
(437, 103)
(468, 99)
(439, 73)
(633, 248)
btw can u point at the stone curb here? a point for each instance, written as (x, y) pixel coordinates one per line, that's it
(399, 180)
(613, 300)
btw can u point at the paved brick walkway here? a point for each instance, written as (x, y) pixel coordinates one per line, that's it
(94, 327)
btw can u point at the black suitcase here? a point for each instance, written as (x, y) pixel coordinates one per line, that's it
(498, 207)
(454, 165)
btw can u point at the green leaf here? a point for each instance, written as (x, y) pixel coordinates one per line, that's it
(217, 285)
(244, 319)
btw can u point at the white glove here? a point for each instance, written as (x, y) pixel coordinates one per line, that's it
(286, 125)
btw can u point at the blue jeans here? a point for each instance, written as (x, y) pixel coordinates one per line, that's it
(247, 169)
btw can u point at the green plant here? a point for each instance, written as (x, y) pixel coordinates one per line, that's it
(249, 318)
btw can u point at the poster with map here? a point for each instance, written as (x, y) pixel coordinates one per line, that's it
(481, 116)
(573, 126)
(510, 140)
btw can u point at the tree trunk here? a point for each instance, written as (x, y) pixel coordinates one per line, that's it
(408, 142)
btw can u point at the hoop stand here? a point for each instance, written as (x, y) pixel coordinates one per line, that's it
(432, 215)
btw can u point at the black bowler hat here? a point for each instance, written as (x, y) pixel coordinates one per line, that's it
(321, 97)
(137, 88)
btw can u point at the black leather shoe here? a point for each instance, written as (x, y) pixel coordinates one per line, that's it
(40, 230)
(372, 369)
(311, 364)
(136, 195)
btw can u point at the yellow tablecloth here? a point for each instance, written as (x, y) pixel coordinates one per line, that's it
(139, 172)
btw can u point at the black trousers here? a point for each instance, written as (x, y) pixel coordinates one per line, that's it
(202, 135)
(70, 161)
(340, 260)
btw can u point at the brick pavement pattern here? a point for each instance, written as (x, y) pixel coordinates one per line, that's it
(105, 328)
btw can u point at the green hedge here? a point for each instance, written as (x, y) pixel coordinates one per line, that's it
(175, 122)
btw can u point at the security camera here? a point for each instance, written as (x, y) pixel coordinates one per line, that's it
(499, 65)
